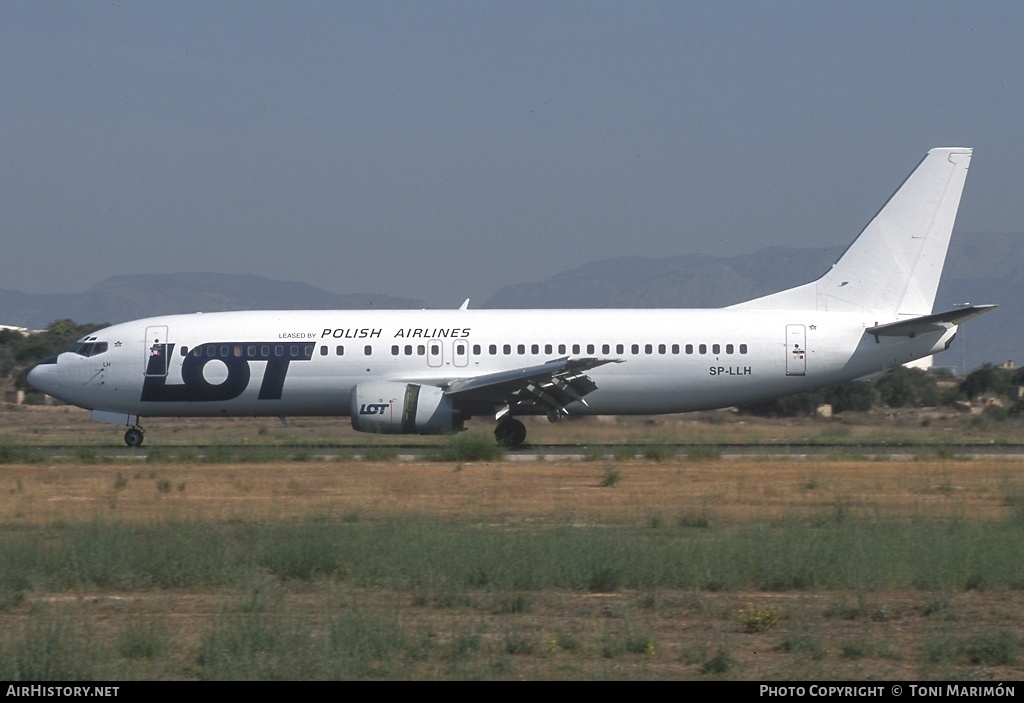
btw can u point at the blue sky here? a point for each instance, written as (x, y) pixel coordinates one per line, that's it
(440, 150)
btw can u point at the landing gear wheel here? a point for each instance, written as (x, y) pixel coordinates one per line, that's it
(133, 437)
(510, 433)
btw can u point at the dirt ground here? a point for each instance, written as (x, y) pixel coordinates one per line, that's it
(880, 635)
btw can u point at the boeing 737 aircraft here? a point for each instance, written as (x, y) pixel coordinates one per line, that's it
(428, 371)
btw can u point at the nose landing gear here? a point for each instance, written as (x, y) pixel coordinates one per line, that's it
(134, 436)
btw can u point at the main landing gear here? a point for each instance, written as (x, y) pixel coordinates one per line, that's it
(134, 436)
(510, 433)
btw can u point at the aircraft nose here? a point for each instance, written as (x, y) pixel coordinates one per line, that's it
(43, 376)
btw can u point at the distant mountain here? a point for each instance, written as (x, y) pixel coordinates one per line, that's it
(688, 281)
(130, 297)
(980, 268)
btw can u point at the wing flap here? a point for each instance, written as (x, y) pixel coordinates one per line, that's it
(551, 386)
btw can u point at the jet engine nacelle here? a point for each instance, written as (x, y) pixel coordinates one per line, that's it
(402, 408)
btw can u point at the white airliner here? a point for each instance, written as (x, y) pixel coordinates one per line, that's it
(428, 371)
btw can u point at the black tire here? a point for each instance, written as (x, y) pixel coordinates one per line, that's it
(510, 433)
(133, 437)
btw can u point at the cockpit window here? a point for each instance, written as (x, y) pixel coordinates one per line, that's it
(88, 346)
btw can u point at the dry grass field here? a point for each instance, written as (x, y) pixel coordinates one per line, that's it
(414, 613)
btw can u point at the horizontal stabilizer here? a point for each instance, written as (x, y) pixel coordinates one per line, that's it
(929, 323)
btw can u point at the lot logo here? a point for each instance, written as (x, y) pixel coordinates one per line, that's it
(235, 356)
(374, 408)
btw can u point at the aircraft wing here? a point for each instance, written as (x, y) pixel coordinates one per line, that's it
(550, 386)
(929, 323)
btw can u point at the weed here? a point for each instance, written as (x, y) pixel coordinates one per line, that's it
(997, 648)
(467, 446)
(698, 521)
(659, 452)
(624, 453)
(758, 618)
(721, 663)
(143, 640)
(611, 477)
(377, 454)
(11, 454)
(157, 455)
(804, 642)
(512, 604)
(855, 649)
(604, 580)
(703, 452)
(518, 643)
(85, 455)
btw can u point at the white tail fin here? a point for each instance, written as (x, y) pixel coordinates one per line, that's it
(894, 266)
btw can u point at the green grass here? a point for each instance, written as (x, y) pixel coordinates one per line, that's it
(834, 550)
(467, 446)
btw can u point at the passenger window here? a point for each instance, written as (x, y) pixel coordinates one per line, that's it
(648, 349)
(703, 348)
(308, 351)
(421, 350)
(689, 348)
(548, 349)
(590, 349)
(238, 350)
(716, 348)
(743, 349)
(606, 349)
(368, 350)
(184, 351)
(323, 350)
(476, 350)
(493, 349)
(394, 350)
(279, 350)
(635, 349)
(575, 348)
(507, 349)
(728, 349)
(340, 351)
(661, 348)
(675, 348)
(521, 349)
(620, 349)
(535, 349)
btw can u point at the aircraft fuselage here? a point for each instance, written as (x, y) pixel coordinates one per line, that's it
(275, 363)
